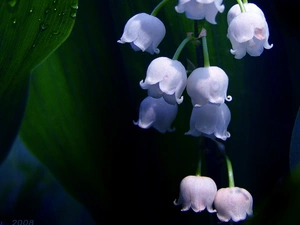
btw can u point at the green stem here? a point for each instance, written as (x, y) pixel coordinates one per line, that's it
(230, 172)
(241, 5)
(158, 7)
(201, 163)
(205, 51)
(198, 171)
(245, 1)
(181, 46)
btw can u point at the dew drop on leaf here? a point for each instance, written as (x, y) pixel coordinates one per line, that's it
(12, 3)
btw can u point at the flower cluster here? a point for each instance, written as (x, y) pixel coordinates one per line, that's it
(200, 192)
(166, 79)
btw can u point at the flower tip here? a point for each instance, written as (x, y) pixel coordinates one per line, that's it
(211, 210)
(221, 8)
(268, 46)
(229, 98)
(171, 129)
(179, 100)
(156, 51)
(120, 41)
(143, 84)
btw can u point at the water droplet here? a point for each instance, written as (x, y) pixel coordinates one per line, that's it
(47, 11)
(33, 46)
(54, 1)
(31, 10)
(44, 26)
(73, 14)
(14, 21)
(74, 6)
(12, 3)
(54, 9)
(56, 32)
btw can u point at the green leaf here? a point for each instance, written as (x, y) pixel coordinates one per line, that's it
(30, 31)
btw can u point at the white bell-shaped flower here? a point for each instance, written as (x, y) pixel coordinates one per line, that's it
(165, 78)
(208, 84)
(156, 113)
(210, 120)
(233, 203)
(200, 9)
(144, 32)
(248, 32)
(198, 193)
(235, 10)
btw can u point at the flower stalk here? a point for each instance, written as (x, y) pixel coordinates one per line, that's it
(158, 7)
(230, 172)
(242, 5)
(181, 46)
(204, 47)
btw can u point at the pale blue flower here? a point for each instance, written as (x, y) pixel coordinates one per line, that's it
(248, 32)
(233, 203)
(165, 78)
(156, 113)
(198, 193)
(200, 9)
(210, 120)
(208, 84)
(144, 32)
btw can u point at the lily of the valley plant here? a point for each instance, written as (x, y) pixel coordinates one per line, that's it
(166, 78)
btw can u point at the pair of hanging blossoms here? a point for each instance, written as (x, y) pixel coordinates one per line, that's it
(200, 193)
(165, 81)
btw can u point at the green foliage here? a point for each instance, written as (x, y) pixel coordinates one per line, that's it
(30, 31)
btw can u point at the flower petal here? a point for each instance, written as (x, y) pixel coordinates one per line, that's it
(156, 113)
(167, 77)
(197, 192)
(233, 203)
(207, 84)
(144, 32)
(235, 10)
(210, 120)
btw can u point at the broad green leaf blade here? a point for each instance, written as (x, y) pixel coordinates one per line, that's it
(29, 32)
(69, 123)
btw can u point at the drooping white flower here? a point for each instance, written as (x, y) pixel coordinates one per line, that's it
(144, 32)
(248, 32)
(208, 84)
(233, 203)
(200, 9)
(156, 113)
(165, 78)
(210, 120)
(198, 193)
